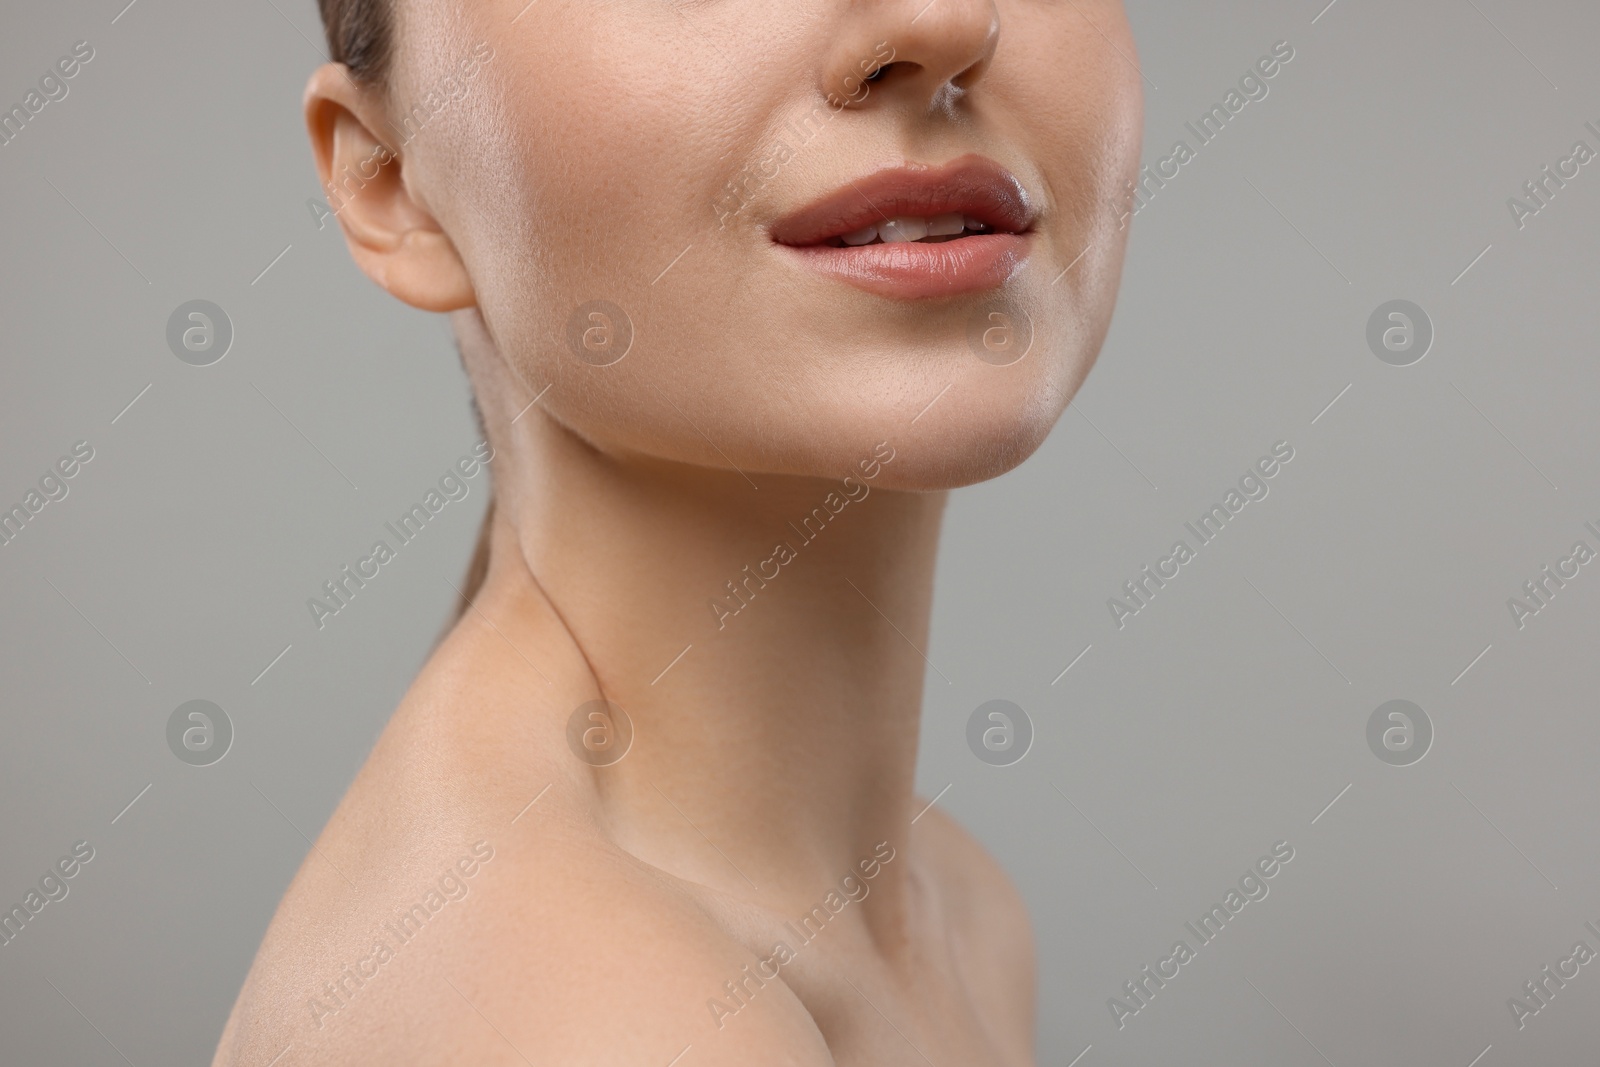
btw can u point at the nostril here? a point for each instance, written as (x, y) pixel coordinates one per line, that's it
(968, 77)
(878, 74)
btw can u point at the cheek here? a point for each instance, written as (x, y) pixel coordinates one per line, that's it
(1086, 130)
(610, 134)
(1087, 136)
(603, 204)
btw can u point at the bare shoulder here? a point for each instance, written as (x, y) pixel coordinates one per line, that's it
(989, 920)
(461, 907)
(521, 952)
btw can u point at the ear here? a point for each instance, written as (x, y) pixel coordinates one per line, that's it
(391, 234)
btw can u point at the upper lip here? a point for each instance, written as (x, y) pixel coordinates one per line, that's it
(971, 185)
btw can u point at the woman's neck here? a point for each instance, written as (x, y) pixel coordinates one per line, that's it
(765, 635)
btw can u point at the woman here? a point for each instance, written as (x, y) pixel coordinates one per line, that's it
(743, 287)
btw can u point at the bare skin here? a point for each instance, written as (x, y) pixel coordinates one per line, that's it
(614, 914)
(615, 908)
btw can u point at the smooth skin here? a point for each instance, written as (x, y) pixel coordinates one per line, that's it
(774, 749)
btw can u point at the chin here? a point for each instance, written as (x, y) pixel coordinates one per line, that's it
(986, 423)
(954, 415)
(976, 438)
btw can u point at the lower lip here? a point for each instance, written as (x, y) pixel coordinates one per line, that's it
(914, 270)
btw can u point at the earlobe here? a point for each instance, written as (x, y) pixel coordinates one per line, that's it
(393, 237)
(425, 271)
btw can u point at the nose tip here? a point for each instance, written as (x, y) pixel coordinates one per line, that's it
(930, 51)
(951, 43)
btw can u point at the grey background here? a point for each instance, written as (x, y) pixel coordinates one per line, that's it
(1224, 717)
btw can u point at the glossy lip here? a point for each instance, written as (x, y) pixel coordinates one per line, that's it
(971, 185)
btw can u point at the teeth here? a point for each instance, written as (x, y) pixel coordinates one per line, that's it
(905, 229)
(910, 228)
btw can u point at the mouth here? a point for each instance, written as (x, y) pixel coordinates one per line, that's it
(907, 228)
(917, 231)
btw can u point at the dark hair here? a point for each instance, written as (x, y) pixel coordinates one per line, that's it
(359, 33)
